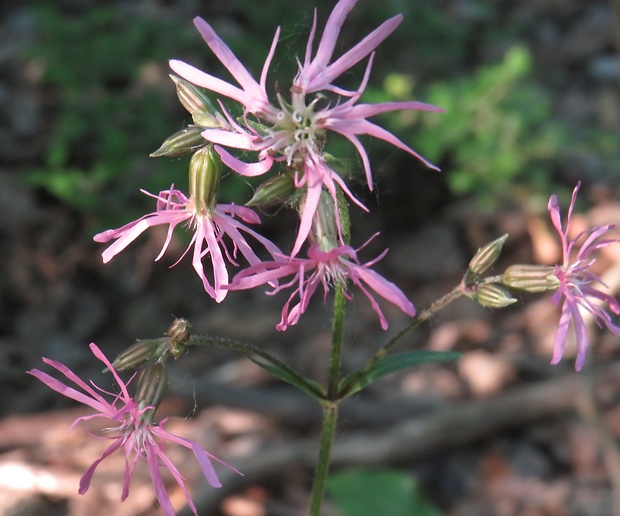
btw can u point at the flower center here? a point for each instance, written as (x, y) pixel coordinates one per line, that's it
(296, 129)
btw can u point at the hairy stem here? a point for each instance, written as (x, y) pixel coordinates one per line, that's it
(330, 407)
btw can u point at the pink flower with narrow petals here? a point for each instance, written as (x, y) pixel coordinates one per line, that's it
(326, 268)
(576, 293)
(132, 432)
(294, 131)
(209, 226)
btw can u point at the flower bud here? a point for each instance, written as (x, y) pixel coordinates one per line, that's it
(204, 119)
(182, 142)
(324, 232)
(486, 256)
(192, 97)
(205, 171)
(276, 190)
(531, 278)
(179, 333)
(491, 295)
(140, 353)
(152, 387)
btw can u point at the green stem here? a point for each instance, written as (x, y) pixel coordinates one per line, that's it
(330, 407)
(336, 350)
(328, 431)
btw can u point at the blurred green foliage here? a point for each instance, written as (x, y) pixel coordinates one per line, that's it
(103, 69)
(498, 129)
(362, 492)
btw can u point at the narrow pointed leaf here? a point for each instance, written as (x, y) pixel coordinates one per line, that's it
(357, 380)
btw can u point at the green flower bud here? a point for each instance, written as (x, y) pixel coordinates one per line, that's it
(486, 256)
(493, 296)
(324, 232)
(152, 387)
(182, 142)
(140, 353)
(205, 171)
(276, 190)
(531, 278)
(206, 120)
(192, 97)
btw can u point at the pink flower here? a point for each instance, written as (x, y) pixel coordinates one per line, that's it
(576, 281)
(138, 438)
(326, 268)
(209, 226)
(294, 131)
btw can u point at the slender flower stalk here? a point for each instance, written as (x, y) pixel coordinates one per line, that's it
(131, 430)
(575, 292)
(293, 132)
(325, 268)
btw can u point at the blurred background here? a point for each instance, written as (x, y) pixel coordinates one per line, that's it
(531, 90)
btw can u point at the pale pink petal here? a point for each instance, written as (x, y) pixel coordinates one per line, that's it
(245, 169)
(98, 404)
(88, 475)
(386, 289)
(366, 127)
(354, 55)
(205, 464)
(128, 233)
(581, 332)
(262, 273)
(205, 80)
(229, 60)
(368, 110)
(272, 51)
(99, 354)
(246, 214)
(328, 41)
(313, 194)
(158, 482)
(235, 140)
(559, 341)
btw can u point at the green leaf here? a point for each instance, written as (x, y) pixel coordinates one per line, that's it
(265, 361)
(357, 380)
(289, 376)
(360, 492)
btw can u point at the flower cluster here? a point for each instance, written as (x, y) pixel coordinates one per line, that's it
(294, 131)
(131, 430)
(288, 136)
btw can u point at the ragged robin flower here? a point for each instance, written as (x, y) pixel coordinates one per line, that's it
(209, 221)
(131, 430)
(327, 268)
(576, 292)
